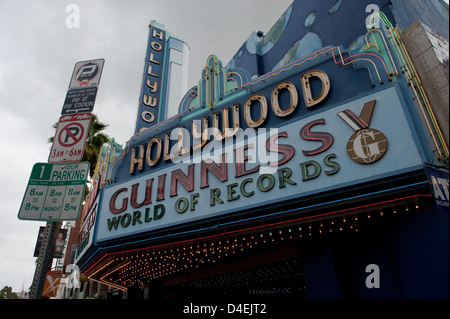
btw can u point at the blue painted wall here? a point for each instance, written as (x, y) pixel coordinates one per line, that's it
(307, 26)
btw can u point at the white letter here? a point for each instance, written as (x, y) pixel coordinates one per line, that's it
(438, 194)
(182, 147)
(263, 158)
(373, 280)
(373, 19)
(73, 19)
(73, 280)
(213, 150)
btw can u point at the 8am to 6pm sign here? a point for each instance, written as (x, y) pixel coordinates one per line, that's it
(70, 138)
(54, 192)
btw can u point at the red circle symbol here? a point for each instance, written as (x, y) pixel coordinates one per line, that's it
(71, 134)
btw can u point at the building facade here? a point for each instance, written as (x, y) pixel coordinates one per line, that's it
(313, 165)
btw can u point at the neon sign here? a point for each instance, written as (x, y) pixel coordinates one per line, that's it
(151, 84)
(142, 154)
(305, 157)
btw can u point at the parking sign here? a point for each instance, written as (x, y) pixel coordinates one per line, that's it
(70, 138)
(54, 192)
(86, 74)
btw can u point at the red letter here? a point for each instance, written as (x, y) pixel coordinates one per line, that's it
(287, 150)
(325, 138)
(218, 171)
(186, 181)
(241, 158)
(148, 194)
(161, 185)
(112, 202)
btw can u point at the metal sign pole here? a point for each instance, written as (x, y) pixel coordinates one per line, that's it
(44, 261)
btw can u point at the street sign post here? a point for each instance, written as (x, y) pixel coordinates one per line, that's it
(54, 192)
(70, 138)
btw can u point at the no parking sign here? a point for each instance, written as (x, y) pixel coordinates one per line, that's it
(70, 138)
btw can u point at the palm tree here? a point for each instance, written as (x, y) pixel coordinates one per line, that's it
(94, 142)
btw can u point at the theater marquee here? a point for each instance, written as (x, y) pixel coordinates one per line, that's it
(362, 140)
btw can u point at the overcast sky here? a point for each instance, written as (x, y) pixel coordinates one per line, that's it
(37, 56)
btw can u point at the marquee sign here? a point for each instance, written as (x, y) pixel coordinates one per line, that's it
(327, 120)
(306, 156)
(86, 234)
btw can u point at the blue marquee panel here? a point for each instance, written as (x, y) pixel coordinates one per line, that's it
(334, 168)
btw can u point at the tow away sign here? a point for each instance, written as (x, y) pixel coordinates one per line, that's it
(54, 192)
(70, 138)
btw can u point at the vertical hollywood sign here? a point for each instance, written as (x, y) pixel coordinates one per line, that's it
(149, 103)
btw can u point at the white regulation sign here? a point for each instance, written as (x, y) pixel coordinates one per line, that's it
(70, 138)
(54, 192)
(86, 74)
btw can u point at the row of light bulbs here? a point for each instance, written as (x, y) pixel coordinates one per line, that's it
(144, 267)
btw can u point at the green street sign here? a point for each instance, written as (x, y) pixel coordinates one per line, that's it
(54, 192)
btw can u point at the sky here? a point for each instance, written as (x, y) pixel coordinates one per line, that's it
(37, 56)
